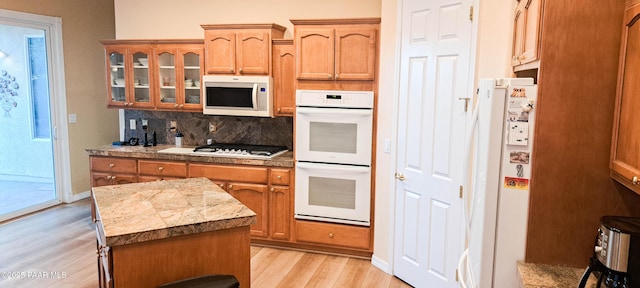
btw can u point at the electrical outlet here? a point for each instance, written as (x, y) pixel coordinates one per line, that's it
(145, 122)
(212, 127)
(132, 124)
(173, 125)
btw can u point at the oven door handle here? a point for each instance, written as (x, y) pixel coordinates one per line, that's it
(333, 167)
(334, 111)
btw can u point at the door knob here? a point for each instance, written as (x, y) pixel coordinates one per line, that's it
(400, 176)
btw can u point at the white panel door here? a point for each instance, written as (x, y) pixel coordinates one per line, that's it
(435, 73)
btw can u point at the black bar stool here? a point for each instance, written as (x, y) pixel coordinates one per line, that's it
(207, 281)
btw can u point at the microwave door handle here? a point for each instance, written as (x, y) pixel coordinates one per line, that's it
(254, 96)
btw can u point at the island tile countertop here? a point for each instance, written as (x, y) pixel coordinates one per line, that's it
(548, 276)
(132, 213)
(283, 160)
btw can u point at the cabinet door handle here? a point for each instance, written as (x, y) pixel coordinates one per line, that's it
(329, 76)
(221, 186)
(175, 105)
(330, 235)
(231, 70)
(181, 105)
(635, 180)
(230, 186)
(111, 165)
(273, 189)
(160, 168)
(240, 70)
(337, 76)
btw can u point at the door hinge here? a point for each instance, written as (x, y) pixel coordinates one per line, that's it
(471, 13)
(461, 189)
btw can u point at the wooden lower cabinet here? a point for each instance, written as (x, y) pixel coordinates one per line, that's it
(333, 234)
(160, 170)
(268, 191)
(255, 197)
(111, 171)
(153, 263)
(247, 184)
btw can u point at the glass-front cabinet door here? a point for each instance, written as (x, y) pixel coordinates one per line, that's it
(166, 76)
(128, 76)
(193, 62)
(140, 82)
(116, 75)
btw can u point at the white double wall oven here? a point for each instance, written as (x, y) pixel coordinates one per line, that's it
(333, 156)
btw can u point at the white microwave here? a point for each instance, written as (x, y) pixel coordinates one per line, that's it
(237, 95)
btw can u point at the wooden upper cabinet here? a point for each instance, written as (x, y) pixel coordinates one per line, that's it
(240, 49)
(355, 54)
(177, 75)
(315, 50)
(625, 152)
(341, 49)
(154, 74)
(129, 75)
(526, 36)
(284, 89)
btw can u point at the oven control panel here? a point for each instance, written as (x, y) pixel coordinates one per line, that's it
(334, 98)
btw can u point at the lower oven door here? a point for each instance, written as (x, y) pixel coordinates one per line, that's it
(333, 193)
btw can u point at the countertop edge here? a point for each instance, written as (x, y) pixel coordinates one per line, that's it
(165, 233)
(140, 152)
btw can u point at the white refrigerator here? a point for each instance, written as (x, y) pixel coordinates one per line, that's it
(496, 206)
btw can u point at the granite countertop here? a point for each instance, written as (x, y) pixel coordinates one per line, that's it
(132, 213)
(283, 160)
(548, 276)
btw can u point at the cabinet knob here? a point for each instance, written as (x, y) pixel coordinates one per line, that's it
(337, 76)
(175, 105)
(231, 70)
(330, 235)
(108, 177)
(273, 189)
(635, 180)
(111, 165)
(181, 105)
(230, 186)
(160, 168)
(279, 177)
(221, 186)
(113, 177)
(329, 76)
(240, 70)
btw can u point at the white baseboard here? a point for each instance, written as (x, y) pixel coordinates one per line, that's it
(80, 196)
(380, 264)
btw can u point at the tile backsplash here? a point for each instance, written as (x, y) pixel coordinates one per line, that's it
(195, 128)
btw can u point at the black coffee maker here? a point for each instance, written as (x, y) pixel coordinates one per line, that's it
(616, 259)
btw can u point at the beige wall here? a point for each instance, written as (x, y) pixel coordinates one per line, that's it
(492, 60)
(83, 24)
(149, 19)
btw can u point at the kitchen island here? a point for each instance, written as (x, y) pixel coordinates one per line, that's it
(159, 232)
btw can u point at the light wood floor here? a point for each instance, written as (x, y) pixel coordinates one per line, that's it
(16, 195)
(56, 248)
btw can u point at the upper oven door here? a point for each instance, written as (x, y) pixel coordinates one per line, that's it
(334, 135)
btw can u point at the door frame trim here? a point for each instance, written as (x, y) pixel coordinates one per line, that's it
(58, 104)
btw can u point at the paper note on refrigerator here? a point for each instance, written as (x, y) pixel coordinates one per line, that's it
(518, 133)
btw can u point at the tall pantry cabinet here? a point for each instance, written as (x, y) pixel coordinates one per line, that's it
(625, 152)
(570, 188)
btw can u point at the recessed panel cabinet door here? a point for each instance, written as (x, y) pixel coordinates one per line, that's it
(625, 151)
(314, 52)
(256, 197)
(220, 49)
(253, 53)
(355, 54)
